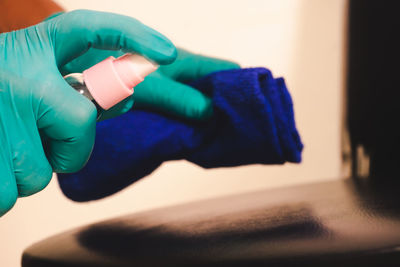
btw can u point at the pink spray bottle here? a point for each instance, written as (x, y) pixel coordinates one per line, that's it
(111, 80)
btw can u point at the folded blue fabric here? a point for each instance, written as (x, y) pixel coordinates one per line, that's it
(253, 122)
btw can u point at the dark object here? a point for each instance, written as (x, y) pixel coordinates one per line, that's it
(336, 223)
(373, 90)
(355, 222)
(253, 122)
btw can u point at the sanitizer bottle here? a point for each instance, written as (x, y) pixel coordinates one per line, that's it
(111, 80)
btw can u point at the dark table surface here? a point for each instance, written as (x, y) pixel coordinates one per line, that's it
(339, 223)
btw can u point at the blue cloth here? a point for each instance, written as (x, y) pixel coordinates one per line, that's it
(253, 122)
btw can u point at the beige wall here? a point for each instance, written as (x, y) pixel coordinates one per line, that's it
(301, 40)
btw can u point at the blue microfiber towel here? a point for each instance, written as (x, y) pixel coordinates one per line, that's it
(253, 122)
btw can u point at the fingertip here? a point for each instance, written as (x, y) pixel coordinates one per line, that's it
(69, 130)
(165, 54)
(150, 43)
(8, 187)
(231, 65)
(171, 54)
(7, 200)
(72, 153)
(70, 167)
(35, 181)
(117, 110)
(209, 65)
(189, 66)
(127, 106)
(201, 110)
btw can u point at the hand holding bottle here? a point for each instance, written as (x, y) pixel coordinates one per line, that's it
(165, 90)
(37, 105)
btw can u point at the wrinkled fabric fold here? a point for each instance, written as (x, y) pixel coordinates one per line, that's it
(253, 123)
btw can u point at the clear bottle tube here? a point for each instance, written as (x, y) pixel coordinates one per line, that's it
(76, 81)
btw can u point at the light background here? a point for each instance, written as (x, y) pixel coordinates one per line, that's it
(301, 40)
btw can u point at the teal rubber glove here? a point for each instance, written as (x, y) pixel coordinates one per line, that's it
(45, 125)
(164, 90)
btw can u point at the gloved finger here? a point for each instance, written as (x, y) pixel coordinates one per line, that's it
(67, 124)
(31, 168)
(161, 93)
(77, 31)
(119, 109)
(188, 66)
(8, 187)
(24, 169)
(87, 60)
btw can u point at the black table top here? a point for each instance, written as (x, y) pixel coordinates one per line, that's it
(337, 223)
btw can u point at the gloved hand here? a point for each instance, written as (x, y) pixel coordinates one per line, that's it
(36, 104)
(163, 90)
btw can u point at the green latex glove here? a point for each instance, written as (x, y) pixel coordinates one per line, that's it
(165, 89)
(36, 104)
